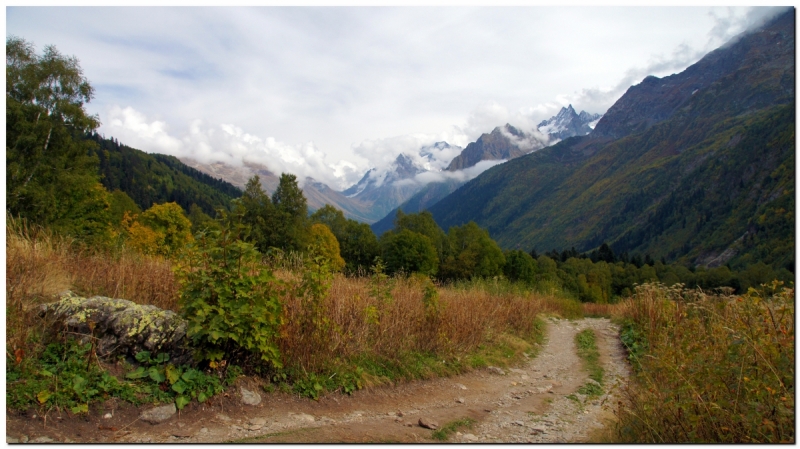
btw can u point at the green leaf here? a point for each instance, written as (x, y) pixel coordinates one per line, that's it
(190, 375)
(173, 374)
(201, 397)
(79, 384)
(181, 402)
(179, 387)
(143, 356)
(162, 358)
(156, 374)
(44, 372)
(138, 373)
(43, 396)
(80, 408)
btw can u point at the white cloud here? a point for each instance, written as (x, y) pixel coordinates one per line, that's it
(327, 85)
(228, 144)
(465, 175)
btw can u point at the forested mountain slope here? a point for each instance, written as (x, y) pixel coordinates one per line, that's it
(156, 178)
(697, 166)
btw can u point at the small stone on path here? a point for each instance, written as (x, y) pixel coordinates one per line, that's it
(257, 421)
(250, 397)
(41, 440)
(304, 417)
(107, 416)
(158, 415)
(428, 423)
(496, 370)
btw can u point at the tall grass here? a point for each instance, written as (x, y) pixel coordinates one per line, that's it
(362, 324)
(40, 264)
(710, 367)
(402, 327)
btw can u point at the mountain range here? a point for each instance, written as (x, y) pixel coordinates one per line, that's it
(376, 197)
(697, 166)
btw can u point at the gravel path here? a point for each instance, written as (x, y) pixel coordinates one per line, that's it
(536, 402)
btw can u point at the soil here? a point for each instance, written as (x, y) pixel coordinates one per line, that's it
(535, 402)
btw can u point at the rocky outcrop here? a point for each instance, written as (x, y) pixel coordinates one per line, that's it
(122, 327)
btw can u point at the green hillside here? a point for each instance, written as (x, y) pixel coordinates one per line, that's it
(156, 178)
(710, 181)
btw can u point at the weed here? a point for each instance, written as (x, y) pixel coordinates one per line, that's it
(587, 350)
(443, 433)
(230, 301)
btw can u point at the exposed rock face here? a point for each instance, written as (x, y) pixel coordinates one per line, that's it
(494, 146)
(123, 327)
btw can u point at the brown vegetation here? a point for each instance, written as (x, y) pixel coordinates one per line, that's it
(710, 367)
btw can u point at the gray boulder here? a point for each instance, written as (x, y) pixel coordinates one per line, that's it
(160, 414)
(122, 327)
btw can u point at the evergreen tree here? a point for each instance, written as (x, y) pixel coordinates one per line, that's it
(290, 225)
(259, 214)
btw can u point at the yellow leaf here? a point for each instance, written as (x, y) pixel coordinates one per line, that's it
(43, 396)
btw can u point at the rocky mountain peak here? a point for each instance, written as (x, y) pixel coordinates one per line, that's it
(568, 123)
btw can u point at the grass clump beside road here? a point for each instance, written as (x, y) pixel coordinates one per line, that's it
(709, 368)
(443, 434)
(586, 344)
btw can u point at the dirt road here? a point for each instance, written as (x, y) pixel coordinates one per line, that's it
(535, 402)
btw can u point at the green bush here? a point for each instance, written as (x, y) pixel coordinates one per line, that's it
(231, 301)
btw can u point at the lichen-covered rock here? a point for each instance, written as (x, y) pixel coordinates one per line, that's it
(123, 327)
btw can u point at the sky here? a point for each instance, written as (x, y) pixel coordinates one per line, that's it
(330, 92)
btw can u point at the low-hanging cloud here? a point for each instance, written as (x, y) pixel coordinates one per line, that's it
(228, 144)
(465, 175)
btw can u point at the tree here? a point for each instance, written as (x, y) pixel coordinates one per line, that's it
(163, 229)
(326, 245)
(291, 212)
(333, 218)
(259, 214)
(472, 253)
(357, 243)
(50, 177)
(423, 223)
(520, 266)
(409, 252)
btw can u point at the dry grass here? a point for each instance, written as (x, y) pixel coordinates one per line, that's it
(359, 323)
(39, 265)
(711, 367)
(603, 310)
(354, 320)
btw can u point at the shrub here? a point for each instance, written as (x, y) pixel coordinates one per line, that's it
(232, 302)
